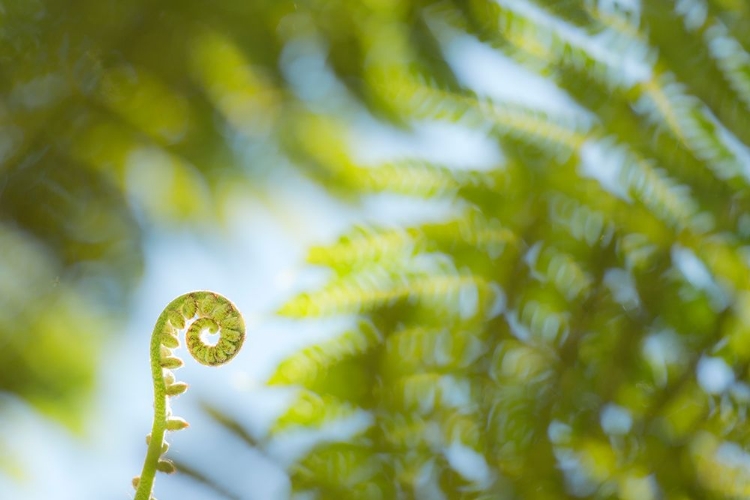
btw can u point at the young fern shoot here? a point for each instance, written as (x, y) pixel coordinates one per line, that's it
(198, 312)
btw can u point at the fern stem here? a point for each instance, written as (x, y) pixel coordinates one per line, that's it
(196, 311)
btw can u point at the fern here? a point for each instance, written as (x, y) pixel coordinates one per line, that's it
(196, 312)
(526, 335)
(548, 338)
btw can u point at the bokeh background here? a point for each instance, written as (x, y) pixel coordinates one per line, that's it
(485, 249)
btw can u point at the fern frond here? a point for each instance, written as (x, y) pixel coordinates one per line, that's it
(408, 431)
(305, 367)
(351, 294)
(628, 175)
(474, 230)
(731, 58)
(421, 178)
(562, 270)
(418, 474)
(349, 469)
(365, 247)
(494, 320)
(512, 436)
(543, 316)
(447, 349)
(619, 16)
(468, 295)
(368, 247)
(436, 432)
(518, 363)
(448, 446)
(424, 393)
(612, 57)
(664, 100)
(659, 97)
(582, 222)
(625, 173)
(312, 410)
(560, 133)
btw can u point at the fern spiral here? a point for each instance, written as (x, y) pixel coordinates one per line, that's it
(199, 312)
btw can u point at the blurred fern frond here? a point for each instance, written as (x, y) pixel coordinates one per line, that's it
(541, 344)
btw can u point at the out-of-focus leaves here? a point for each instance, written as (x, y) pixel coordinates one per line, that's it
(579, 332)
(50, 334)
(578, 329)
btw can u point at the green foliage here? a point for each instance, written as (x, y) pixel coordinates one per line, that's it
(550, 341)
(197, 313)
(37, 320)
(547, 339)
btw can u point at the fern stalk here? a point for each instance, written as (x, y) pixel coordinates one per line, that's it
(198, 312)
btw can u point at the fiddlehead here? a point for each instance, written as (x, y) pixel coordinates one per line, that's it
(198, 312)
